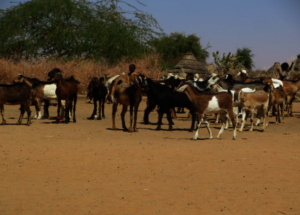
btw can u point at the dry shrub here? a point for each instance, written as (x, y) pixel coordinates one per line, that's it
(83, 71)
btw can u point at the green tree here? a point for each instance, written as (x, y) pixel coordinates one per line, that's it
(245, 57)
(242, 59)
(76, 29)
(174, 46)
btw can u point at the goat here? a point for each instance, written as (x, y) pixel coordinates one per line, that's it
(42, 91)
(167, 99)
(219, 89)
(277, 98)
(66, 91)
(108, 85)
(153, 100)
(290, 88)
(128, 95)
(243, 75)
(211, 103)
(251, 101)
(229, 83)
(166, 87)
(18, 93)
(98, 91)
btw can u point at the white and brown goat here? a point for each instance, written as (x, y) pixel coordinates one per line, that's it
(41, 91)
(203, 103)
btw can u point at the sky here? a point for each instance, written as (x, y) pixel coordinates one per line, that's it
(270, 28)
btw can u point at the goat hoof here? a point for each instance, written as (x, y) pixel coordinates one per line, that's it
(99, 118)
(114, 128)
(233, 138)
(18, 123)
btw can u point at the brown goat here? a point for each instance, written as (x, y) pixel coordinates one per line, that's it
(118, 80)
(255, 100)
(290, 88)
(277, 99)
(66, 91)
(128, 95)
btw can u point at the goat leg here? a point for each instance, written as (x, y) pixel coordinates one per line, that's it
(2, 114)
(67, 116)
(74, 108)
(282, 112)
(160, 115)
(28, 114)
(147, 111)
(243, 119)
(114, 110)
(251, 120)
(124, 110)
(94, 110)
(135, 118)
(46, 108)
(200, 116)
(99, 110)
(207, 126)
(193, 122)
(223, 121)
(131, 118)
(103, 103)
(21, 114)
(169, 117)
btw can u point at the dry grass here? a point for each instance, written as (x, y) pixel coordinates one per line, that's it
(82, 71)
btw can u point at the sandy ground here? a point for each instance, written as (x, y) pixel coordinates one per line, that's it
(88, 168)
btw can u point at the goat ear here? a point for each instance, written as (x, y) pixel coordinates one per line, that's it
(181, 89)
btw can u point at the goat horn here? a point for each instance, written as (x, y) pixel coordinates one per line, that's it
(181, 89)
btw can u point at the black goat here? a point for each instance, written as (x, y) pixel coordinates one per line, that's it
(98, 92)
(229, 83)
(167, 99)
(19, 93)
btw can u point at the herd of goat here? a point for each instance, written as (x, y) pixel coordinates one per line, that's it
(225, 97)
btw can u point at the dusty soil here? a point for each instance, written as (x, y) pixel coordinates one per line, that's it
(87, 168)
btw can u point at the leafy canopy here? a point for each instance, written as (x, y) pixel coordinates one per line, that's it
(80, 29)
(242, 59)
(245, 56)
(174, 46)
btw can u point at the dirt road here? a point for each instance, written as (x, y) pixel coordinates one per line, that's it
(87, 168)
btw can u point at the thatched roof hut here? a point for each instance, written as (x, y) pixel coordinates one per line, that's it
(295, 68)
(189, 64)
(272, 72)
